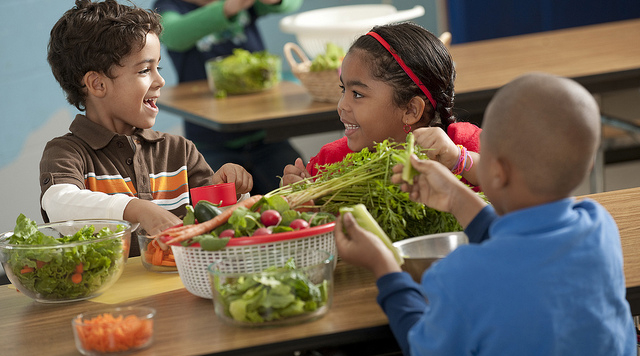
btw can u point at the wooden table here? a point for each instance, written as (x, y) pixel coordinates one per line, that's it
(624, 206)
(186, 324)
(601, 57)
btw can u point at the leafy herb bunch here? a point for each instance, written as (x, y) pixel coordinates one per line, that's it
(365, 177)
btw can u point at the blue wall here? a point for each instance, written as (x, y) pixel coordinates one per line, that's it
(472, 20)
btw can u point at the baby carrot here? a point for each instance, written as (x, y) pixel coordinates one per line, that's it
(157, 257)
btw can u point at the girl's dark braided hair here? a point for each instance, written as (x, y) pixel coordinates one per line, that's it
(427, 57)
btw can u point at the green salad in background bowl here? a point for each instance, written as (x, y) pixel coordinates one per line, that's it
(65, 261)
(243, 72)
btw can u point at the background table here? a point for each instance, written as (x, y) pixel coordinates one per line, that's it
(284, 111)
(603, 57)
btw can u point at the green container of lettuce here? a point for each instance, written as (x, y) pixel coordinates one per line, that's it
(243, 72)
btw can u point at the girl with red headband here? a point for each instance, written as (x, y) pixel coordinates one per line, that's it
(398, 79)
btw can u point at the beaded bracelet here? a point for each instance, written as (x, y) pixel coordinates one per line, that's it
(461, 165)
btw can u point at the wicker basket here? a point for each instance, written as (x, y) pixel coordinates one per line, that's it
(260, 252)
(322, 86)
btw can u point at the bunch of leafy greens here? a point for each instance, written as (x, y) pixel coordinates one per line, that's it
(365, 177)
(279, 293)
(50, 269)
(330, 60)
(245, 72)
(246, 221)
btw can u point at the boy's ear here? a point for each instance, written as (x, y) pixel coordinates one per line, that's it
(95, 84)
(414, 110)
(500, 173)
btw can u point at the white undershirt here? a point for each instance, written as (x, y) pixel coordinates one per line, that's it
(68, 202)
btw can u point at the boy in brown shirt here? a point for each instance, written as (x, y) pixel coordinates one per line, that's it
(112, 165)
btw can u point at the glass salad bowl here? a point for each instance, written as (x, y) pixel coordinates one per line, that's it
(65, 261)
(296, 288)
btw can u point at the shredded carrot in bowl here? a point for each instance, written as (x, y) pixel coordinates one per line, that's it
(106, 333)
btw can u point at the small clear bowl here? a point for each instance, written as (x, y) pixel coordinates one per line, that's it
(263, 290)
(154, 258)
(113, 331)
(71, 271)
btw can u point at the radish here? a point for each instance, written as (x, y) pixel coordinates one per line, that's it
(261, 231)
(270, 217)
(228, 233)
(299, 224)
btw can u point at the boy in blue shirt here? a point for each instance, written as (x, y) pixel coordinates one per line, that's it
(543, 273)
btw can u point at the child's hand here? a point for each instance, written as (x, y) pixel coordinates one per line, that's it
(233, 7)
(437, 188)
(434, 186)
(233, 173)
(438, 145)
(152, 217)
(363, 248)
(295, 172)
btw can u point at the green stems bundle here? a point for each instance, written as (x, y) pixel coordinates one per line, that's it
(365, 178)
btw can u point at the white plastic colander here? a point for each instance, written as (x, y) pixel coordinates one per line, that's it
(253, 254)
(341, 24)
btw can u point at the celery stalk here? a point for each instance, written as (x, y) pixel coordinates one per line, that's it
(367, 222)
(408, 172)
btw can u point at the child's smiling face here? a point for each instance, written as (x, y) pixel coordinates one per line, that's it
(130, 100)
(366, 108)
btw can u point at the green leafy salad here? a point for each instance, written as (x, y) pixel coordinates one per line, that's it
(330, 60)
(283, 292)
(56, 272)
(245, 72)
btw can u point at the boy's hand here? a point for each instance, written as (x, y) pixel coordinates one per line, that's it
(363, 248)
(438, 188)
(152, 218)
(295, 172)
(233, 173)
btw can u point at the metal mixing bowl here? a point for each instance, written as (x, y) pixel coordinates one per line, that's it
(421, 251)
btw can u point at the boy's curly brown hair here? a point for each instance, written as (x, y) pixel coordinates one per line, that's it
(94, 36)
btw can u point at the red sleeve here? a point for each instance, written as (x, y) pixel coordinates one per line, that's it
(332, 152)
(466, 134)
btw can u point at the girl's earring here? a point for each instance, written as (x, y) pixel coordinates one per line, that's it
(406, 128)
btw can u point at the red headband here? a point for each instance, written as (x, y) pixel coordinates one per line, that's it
(404, 66)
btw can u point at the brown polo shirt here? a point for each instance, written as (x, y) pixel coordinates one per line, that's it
(151, 165)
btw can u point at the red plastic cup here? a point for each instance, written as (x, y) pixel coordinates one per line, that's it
(223, 194)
